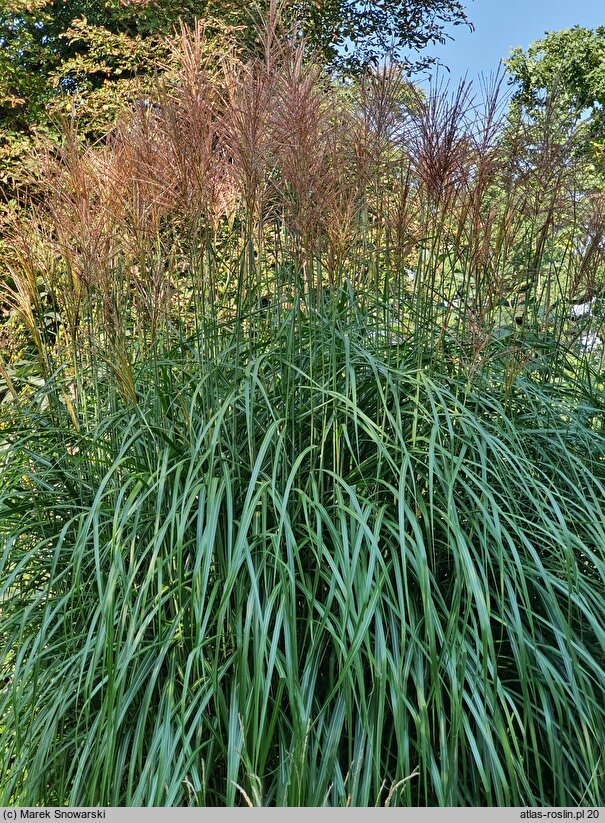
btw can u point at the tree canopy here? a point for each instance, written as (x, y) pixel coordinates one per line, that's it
(566, 68)
(55, 54)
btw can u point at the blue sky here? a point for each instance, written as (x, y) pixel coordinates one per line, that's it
(502, 24)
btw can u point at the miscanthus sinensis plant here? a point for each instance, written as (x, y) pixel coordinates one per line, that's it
(305, 504)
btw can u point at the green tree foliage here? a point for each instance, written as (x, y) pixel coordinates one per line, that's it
(76, 54)
(59, 54)
(567, 67)
(352, 35)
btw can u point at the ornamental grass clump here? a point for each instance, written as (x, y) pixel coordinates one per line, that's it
(302, 580)
(301, 496)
